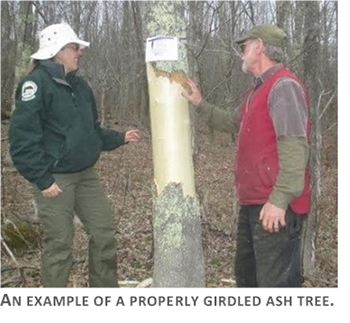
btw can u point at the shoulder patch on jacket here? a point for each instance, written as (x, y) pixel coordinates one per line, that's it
(29, 89)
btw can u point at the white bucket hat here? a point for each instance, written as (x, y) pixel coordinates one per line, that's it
(53, 38)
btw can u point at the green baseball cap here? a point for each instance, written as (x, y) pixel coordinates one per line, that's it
(269, 34)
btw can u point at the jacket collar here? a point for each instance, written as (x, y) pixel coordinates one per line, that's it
(261, 79)
(54, 69)
(57, 72)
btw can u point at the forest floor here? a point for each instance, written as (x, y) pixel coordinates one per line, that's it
(126, 174)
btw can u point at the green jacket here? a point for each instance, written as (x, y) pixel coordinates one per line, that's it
(54, 127)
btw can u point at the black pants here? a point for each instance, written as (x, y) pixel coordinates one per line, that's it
(265, 259)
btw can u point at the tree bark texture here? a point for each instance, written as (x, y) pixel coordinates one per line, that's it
(178, 253)
(311, 74)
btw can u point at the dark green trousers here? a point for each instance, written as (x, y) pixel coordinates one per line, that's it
(83, 195)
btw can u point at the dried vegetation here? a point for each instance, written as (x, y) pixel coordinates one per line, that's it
(126, 174)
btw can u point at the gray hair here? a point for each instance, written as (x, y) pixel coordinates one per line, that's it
(33, 64)
(274, 53)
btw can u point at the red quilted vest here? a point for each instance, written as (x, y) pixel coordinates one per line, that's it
(257, 164)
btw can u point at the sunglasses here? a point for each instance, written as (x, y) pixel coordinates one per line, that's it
(73, 46)
(243, 46)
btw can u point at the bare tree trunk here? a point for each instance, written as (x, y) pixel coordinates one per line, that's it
(311, 227)
(142, 97)
(311, 75)
(194, 36)
(283, 12)
(102, 107)
(8, 59)
(178, 253)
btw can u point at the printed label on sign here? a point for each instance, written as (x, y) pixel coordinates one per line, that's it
(162, 48)
(29, 89)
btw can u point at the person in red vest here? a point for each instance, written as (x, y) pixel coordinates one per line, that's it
(271, 164)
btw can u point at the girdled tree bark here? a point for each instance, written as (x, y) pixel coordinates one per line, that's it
(178, 254)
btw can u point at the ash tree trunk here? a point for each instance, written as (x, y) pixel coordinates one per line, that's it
(178, 255)
(178, 252)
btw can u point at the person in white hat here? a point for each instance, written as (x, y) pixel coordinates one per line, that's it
(54, 38)
(55, 141)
